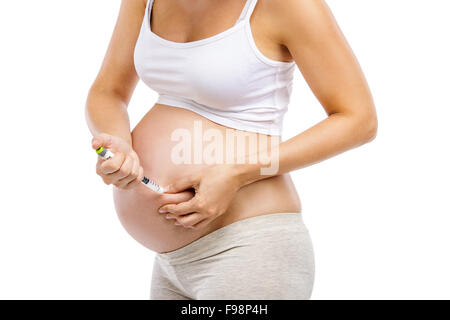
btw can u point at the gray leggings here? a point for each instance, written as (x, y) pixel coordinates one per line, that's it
(265, 257)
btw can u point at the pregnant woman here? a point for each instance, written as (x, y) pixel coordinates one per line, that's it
(229, 224)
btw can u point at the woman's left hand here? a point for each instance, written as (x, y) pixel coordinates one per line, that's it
(214, 187)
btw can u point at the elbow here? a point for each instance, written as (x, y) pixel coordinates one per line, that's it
(369, 128)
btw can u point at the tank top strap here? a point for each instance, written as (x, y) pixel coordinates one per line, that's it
(247, 10)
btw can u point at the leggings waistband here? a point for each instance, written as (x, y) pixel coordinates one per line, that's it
(235, 234)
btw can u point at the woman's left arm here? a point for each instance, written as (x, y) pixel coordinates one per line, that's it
(309, 31)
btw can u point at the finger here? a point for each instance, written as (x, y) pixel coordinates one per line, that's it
(190, 219)
(113, 164)
(181, 208)
(132, 168)
(136, 182)
(202, 223)
(176, 198)
(125, 170)
(98, 165)
(181, 185)
(103, 139)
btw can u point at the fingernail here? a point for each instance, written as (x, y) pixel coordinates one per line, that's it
(177, 224)
(162, 211)
(169, 217)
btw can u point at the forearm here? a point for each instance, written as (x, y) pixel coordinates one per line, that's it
(334, 135)
(107, 112)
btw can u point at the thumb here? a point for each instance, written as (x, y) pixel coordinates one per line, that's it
(103, 139)
(181, 185)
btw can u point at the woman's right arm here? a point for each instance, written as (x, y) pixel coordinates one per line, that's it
(108, 98)
(109, 95)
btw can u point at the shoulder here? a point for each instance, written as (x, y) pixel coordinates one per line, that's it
(291, 20)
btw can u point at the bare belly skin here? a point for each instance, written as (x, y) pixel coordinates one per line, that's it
(137, 208)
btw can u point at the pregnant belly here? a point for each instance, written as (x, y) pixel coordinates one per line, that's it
(170, 143)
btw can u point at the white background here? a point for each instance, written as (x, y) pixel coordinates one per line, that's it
(379, 215)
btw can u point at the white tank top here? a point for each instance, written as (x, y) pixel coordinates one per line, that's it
(224, 78)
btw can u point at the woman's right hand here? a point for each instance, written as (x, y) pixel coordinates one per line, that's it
(123, 170)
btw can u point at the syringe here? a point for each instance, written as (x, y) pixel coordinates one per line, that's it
(149, 183)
